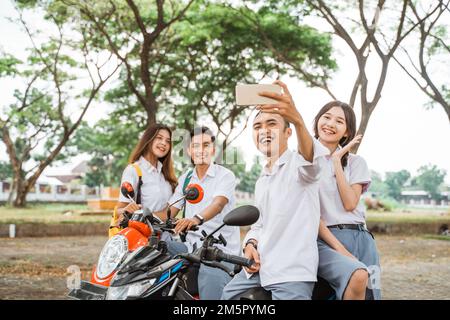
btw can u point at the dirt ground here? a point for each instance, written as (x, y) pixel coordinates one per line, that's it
(36, 268)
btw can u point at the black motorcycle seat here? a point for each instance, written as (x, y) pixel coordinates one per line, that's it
(257, 293)
(191, 279)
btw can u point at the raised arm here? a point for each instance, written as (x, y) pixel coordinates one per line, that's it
(349, 193)
(286, 108)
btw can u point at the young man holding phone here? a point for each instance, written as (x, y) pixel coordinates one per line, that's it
(219, 185)
(283, 242)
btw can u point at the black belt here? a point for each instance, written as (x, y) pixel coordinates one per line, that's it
(359, 227)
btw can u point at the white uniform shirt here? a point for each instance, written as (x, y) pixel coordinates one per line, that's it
(331, 207)
(287, 230)
(155, 191)
(218, 181)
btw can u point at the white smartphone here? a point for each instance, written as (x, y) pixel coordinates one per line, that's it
(247, 94)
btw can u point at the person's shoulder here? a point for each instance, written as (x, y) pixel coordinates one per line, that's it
(222, 171)
(355, 160)
(184, 175)
(129, 174)
(294, 158)
(129, 169)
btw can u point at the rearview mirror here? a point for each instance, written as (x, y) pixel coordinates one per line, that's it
(127, 189)
(242, 216)
(194, 193)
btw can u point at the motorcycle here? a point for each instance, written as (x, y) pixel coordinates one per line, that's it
(150, 273)
(142, 231)
(134, 264)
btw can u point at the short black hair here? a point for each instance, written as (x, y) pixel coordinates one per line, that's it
(286, 123)
(201, 130)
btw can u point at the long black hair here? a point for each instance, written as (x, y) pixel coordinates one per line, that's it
(350, 121)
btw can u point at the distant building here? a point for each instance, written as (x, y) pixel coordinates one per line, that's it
(422, 198)
(61, 184)
(57, 185)
(69, 172)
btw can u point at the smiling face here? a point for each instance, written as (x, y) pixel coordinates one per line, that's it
(270, 134)
(332, 126)
(201, 149)
(161, 144)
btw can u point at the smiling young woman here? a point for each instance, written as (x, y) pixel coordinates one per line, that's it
(150, 173)
(347, 250)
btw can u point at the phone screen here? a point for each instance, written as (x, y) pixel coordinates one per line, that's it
(247, 94)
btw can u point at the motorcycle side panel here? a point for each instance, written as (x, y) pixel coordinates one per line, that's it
(137, 268)
(143, 228)
(135, 238)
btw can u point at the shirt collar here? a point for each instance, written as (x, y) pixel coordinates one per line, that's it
(280, 161)
(146, 165)
(210, 172)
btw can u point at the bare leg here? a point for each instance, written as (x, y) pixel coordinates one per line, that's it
(356, 288)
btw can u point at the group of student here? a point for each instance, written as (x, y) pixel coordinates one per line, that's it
(311, 222)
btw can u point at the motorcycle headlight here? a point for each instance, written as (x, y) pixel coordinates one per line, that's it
(132, 290)
(111, 255)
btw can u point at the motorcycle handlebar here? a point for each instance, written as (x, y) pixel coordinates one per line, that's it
(212, 257)
(191, 257)
(171, 230)
(235, 259)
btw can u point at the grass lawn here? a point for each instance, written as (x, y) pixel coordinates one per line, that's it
(410, 215)
(436, 237)
(49, 213)
(71, 213)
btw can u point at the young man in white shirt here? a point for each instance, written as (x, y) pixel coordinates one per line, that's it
(283, 242)
(219, 185)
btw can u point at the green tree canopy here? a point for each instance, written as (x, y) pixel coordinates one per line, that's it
(430, 179)
(196, 64)
(395, 182)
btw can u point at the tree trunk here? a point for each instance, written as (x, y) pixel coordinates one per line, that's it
(11, 192)
(151, 108)
(365, 116)
(20, 200)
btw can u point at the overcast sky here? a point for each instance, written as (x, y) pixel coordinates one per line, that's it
(402, 134)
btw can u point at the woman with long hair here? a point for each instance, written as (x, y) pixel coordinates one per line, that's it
(150, 172)
(347, 250)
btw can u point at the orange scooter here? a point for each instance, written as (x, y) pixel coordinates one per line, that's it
(140, 230)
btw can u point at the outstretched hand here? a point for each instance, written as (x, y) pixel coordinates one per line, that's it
(338, 154)
(285, 106)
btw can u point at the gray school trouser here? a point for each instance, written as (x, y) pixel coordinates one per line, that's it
(361, 244)
(336, 268)
(297, 290)
(211, 281)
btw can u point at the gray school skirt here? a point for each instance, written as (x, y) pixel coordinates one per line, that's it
(337, 269)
